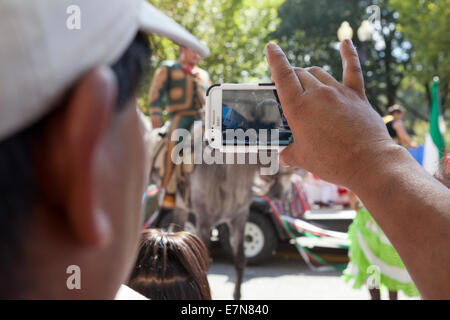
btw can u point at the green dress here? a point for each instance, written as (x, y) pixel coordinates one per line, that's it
(373, 260)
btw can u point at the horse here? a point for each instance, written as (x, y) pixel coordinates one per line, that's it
(216, 194)
(221, 194)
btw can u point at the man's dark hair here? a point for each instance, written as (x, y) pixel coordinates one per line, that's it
(18, 178)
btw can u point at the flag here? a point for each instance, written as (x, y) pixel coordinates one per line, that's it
(434, 141)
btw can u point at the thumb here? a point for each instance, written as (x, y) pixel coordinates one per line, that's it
(352, 76)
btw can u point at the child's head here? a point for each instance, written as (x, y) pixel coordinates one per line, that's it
(171, 266)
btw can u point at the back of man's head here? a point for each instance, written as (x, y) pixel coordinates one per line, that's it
(71, 149)
(33, 188)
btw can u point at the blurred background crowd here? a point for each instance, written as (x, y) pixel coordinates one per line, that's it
(405, 45)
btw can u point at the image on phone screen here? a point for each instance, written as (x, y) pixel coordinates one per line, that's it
(257, 114)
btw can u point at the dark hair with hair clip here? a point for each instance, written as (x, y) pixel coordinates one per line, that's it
(171, 266)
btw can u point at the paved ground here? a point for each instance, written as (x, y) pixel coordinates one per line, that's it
(284, 277)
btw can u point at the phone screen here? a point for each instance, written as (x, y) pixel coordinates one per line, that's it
(253, 118)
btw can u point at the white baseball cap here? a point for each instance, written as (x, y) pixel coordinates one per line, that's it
(45, 45)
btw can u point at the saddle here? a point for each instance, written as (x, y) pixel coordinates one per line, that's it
(160, 142)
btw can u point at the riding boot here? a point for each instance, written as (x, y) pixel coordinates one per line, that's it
(168, 201)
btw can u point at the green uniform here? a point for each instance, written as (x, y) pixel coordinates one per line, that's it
(175, 90)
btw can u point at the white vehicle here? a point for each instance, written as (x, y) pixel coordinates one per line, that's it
(263, 232)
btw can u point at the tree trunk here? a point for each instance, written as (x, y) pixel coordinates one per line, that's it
(391, 89)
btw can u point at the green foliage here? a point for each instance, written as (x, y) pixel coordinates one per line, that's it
(426, 25)
(308, 32)
(411, 47)
(235, 31)
(412, 96)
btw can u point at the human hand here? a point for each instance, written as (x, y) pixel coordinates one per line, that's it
(156, 121)
(337, 134)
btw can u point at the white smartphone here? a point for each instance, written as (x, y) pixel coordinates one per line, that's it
(245, 118)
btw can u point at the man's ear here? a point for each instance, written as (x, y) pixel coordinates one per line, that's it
(80, 125)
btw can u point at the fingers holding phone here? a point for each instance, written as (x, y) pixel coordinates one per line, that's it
(243, 118)
(334, 127)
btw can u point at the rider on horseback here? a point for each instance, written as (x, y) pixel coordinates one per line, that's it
(179, 88)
